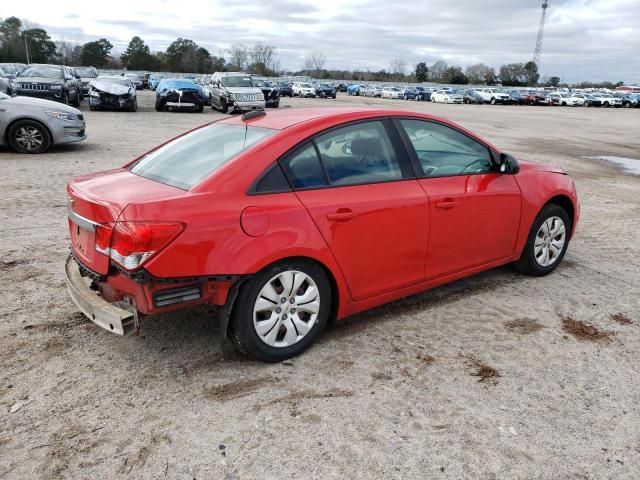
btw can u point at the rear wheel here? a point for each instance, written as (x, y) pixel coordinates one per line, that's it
(547, 242)
(281, 311)
(28, 136)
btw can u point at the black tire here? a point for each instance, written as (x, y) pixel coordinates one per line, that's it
(134, 105)
(200, 108)
(241, 328)
(493, 101)
(528, 263)
(65, 98)
(76, 100)
(92, 108)
(30, 124)
(159, 107)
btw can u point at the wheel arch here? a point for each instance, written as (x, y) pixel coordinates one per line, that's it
(5, 137)
(233, 294)
(566, 203)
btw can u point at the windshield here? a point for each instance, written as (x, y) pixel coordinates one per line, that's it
(42, 71)
(134, 76)
(236, 81)
(305, 85)
(189, 159)
(85, 72)
(9, 69)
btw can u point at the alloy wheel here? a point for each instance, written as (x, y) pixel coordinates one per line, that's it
(550, 241)
(29, 138)
(286, 309)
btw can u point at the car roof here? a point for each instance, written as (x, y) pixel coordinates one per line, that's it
(288, 117)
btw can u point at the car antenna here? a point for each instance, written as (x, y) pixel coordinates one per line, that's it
(253, 114)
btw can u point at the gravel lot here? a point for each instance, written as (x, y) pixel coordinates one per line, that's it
(496, 376)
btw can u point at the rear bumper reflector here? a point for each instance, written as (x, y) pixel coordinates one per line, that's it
(177, 295)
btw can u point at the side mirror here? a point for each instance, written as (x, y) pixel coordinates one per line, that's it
(508, 164)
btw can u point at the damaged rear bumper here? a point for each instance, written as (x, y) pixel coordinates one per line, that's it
(119, 318)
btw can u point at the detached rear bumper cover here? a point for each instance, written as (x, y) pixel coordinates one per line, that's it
(104, 314)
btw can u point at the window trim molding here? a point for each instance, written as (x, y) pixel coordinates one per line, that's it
(400, 150)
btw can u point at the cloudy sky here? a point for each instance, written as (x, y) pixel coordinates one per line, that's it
(584, 39)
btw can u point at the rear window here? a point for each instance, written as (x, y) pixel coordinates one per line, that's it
(188, 160)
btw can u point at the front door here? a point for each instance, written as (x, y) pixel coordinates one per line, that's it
(474, 210)
(359, 190)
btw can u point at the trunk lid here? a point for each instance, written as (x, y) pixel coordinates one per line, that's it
(99, 199)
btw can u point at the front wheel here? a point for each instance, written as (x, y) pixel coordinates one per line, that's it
(28, 136)
(547, 242)
(281, 311)
(493, 101)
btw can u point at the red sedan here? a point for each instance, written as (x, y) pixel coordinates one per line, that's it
(294, 218)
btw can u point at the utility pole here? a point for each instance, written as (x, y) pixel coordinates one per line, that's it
(538, 51)
(26, 47)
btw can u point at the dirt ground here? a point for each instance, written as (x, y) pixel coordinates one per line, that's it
(497, 376)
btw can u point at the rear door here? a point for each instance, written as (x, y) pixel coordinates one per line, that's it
(359, 188)
(474, 210)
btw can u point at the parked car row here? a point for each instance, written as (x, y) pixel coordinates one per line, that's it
(499, 95)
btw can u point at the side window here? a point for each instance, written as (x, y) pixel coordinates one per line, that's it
(443, 151)
(359, 153)
(271, 181)
(303, 168)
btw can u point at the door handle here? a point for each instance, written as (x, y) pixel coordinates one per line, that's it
(447, 203)
(341, 215)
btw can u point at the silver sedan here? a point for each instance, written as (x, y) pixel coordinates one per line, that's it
(32, 125)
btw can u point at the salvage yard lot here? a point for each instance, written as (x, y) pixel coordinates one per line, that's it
(496, 376)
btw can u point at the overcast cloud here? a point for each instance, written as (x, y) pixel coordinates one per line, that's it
(584, 39)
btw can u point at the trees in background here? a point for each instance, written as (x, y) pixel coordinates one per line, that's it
(437, 70)
(314, 63)
(138, 56)
(96, 53)
(422, 72)
(185, 55)
(454, 76)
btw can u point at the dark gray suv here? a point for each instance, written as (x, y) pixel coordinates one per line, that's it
(51, 82)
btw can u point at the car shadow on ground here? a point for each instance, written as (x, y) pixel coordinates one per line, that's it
(191, 336)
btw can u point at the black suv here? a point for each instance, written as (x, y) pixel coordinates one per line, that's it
(51, 82)
(324, 90)
(285, 89)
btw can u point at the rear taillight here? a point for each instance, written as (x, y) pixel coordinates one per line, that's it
(130, 244)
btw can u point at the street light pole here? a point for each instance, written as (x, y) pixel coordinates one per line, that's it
(26, 47)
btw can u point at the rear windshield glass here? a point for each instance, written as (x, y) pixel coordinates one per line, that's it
(188, 160)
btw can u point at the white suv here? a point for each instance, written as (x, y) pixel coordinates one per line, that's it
(493, 96)
(608, 100)
(565, 99)
(392, 92)
(303, 89)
